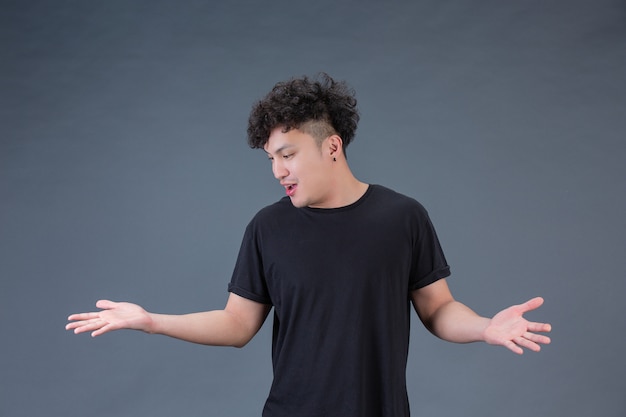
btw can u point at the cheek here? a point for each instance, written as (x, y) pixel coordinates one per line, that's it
(310, 171)
(318, 176)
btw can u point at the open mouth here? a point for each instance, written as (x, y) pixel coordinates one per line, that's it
(290, 189)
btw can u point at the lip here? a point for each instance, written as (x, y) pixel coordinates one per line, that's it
(290, 188)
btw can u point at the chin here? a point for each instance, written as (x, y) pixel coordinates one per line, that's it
(298, 203)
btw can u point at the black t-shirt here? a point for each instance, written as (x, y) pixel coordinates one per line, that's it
(339, 281)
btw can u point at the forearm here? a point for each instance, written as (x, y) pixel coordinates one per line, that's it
(216, 328)
(455, 322)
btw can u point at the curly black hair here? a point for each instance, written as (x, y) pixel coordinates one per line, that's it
(320, 107)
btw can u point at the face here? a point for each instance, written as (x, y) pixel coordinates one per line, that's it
(303, 167)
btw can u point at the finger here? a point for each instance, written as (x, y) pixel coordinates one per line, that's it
(83, 316)
(513, 347)
(537, 338)
(87, 325)
(73, 325)
(539, 327)
(106, 304)
(80, 320)
(528, 344)
(532, 304)
(102, 330)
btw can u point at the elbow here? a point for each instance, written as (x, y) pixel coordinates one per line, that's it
(239, 344)
(435, 320)
(241, 341)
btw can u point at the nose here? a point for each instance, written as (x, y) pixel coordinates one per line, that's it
(279, 169)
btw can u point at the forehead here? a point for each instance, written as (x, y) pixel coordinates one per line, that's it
(279, 140)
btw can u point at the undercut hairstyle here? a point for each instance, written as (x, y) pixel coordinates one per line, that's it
(320, 107)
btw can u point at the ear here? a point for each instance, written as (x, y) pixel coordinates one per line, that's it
(334, 145)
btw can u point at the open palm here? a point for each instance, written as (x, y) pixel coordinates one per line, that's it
(510, 329)
(113, 316)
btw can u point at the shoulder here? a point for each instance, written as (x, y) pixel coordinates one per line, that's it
(281, 205)
(275, 213)
(393, 200)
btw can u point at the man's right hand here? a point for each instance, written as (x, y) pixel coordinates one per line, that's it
(112, 316)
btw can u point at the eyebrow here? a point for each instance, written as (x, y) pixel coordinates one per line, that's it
(281, 149)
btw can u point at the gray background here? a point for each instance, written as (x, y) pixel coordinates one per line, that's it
(124, 174)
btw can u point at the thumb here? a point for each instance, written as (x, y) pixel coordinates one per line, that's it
(532, 304)
(106, 304)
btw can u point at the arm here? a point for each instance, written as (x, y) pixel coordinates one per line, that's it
(453, 321)
(235, 325)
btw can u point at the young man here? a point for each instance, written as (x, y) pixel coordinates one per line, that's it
(340, 261)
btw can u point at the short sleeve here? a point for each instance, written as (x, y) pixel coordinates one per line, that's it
(429, 262)
(248, 279)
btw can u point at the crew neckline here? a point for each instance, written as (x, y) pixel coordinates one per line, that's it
(350, 206)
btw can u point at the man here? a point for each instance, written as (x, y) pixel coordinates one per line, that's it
(340, 261)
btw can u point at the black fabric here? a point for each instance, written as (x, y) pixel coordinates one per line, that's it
(339, 281)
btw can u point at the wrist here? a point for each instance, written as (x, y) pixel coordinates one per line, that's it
(153, 323)
(484, 329)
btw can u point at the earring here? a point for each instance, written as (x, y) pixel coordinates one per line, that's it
(334, 159)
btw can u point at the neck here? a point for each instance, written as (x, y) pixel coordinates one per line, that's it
(347, 189)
